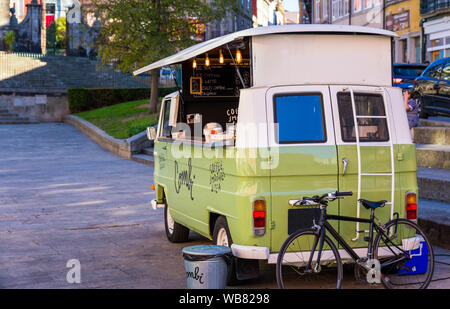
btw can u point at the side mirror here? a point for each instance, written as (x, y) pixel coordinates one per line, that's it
(151, 133)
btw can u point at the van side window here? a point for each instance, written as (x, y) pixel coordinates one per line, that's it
(371, 115)
(300, 118)
(167, 129)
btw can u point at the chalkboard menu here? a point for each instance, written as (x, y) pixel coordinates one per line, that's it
(214, 80)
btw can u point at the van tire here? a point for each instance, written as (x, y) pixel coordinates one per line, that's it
(175, 232)
(221, 230)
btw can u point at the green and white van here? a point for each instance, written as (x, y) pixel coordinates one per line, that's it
(267, 115)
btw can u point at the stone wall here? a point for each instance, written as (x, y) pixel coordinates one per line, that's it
(42, 106)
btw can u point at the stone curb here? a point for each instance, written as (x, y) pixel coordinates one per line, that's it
(123, 148)
(437, 232)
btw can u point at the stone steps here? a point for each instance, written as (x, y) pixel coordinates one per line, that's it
(433, 123)
(148, 151)
(434, 218)
(432, 135)
(143, 158)
(12, 118)
(18, 121)
(434, 184)
(432, 140)
(433, 156)
(61, 72)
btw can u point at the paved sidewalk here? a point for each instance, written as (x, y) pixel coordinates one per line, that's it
(63, 197)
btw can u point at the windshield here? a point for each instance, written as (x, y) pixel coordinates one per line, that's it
(409, 71)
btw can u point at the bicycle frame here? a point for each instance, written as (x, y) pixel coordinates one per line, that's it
(325, 226)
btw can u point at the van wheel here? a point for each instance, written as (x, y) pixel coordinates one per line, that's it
(175, 232)
(221, 234)
(222, 237)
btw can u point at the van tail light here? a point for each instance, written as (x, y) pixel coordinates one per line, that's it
(397, 80)
(411, 206)
(259, 217)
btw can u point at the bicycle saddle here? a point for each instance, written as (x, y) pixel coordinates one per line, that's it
(373, 205)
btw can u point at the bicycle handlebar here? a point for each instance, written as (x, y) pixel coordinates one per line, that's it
(338, 194)
(319, 200)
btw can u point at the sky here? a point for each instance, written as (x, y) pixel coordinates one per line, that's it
(290, 5)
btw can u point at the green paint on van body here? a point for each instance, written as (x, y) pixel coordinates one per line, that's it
(205, 182)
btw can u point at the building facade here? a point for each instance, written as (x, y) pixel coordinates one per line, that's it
(423, 26)
(436, 28)
(403, 17)
(268, 13)
(348, 12)
(232, 22)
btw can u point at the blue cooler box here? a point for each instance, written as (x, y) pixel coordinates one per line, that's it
(418, 264)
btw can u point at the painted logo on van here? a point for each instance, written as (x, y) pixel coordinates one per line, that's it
(184, 178)
(217, 176)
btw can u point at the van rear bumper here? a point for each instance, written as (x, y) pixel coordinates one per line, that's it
(250, 252)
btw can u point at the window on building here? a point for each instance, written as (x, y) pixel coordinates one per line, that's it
(372, 125)
(317, 11)
(367, 4)
(325, 9)
(19, 8)
(357, 5)
(341, 8)
(346, 6)
(334, 10)
(50, 9)
(300, 118)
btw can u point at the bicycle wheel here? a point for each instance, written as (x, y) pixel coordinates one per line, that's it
(292, 272)
(415, 269)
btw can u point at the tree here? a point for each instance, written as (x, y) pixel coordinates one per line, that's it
(138, 32)
(60, 32)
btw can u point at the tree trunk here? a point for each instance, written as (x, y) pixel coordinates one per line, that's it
(154, 91)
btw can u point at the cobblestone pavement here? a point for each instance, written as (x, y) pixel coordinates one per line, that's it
(63, 197)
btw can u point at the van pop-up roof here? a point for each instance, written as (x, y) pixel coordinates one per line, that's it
(301, 54)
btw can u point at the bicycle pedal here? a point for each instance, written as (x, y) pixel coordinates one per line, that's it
(367, 238)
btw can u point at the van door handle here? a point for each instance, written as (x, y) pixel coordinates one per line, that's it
(164, 147)
(345, 161)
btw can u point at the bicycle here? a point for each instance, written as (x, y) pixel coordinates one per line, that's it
(400, 255)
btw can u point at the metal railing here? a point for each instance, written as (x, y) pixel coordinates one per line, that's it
(431, 6)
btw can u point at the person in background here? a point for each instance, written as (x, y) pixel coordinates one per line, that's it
(412, 110)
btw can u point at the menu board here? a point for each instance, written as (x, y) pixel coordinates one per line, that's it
(215, 81)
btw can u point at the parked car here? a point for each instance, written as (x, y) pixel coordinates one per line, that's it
(432, 89)
(404, 74)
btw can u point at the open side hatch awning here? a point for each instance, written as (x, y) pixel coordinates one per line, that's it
(206, 46)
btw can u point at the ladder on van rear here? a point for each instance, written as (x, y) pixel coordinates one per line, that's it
(358, 148)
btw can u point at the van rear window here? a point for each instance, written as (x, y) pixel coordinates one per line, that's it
(300, 118)
(371, 117)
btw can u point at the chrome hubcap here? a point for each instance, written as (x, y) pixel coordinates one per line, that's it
(222, 238)
(170, 222)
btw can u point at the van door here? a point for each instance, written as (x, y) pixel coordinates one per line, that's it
(162, 145)
(302, 151)
(365, 155)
